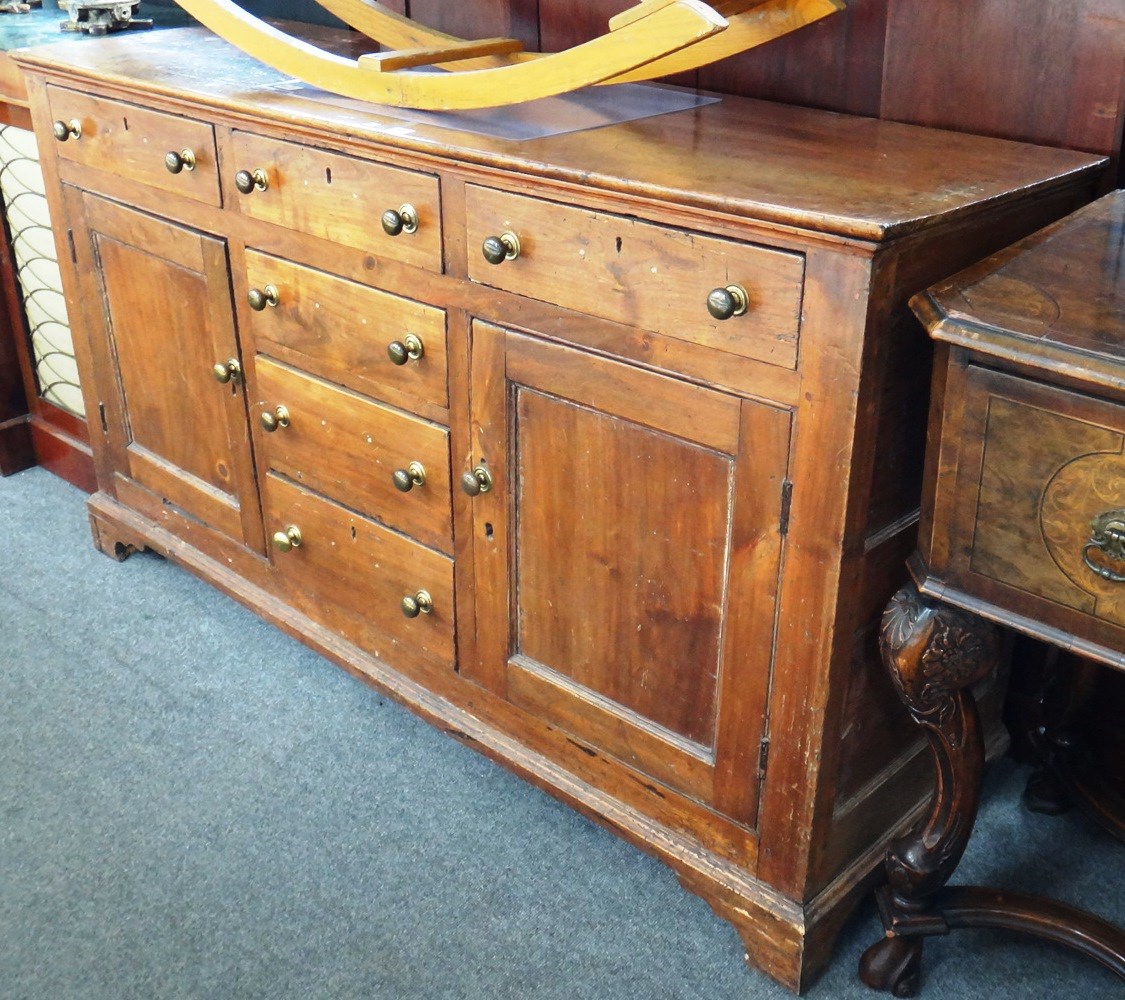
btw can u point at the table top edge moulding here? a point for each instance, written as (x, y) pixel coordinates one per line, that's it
(900, 178)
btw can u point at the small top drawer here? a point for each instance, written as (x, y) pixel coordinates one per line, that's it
(646, 275)
(338, 198)
(164, 151)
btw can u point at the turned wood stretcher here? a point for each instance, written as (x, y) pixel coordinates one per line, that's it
(652, 39)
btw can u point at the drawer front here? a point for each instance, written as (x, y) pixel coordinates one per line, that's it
(351, 574)
(650, 276)
(342, 330)
(1038, 498)
(337, 198)
(133, 142)
(350, 448)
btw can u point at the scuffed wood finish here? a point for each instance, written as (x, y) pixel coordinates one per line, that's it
(660, 611)
(132, 142)
(173, 427)
(652, 277)
(349, 448)
(342, 330)
(619, 504)
(337, 198)
(351, 574)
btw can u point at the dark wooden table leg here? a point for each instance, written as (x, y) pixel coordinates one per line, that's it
(934, 654)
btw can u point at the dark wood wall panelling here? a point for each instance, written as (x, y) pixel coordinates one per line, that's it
(1034, 70)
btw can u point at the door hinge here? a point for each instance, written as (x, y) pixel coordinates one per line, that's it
(73, 249)
(763, 758)
(786, 503)
(101, 414)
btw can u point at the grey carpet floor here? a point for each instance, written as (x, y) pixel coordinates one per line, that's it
(193, 805)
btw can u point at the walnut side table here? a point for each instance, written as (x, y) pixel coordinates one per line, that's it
(1023, 524)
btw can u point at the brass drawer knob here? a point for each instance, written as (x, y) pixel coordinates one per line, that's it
(405, 220)
(415, 604)
(477, 482)
(497, 249)
(271, 420)
(227, 371)
(176, 162)
(406, 479)
(248, 181)
(64, 130)
(723, 303)
(408, 349)
(1107, 535)
(287, 540)
(259, 298)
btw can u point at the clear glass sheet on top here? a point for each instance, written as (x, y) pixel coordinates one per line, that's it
(592, 107)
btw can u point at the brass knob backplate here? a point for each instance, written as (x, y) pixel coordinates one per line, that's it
(405, 220)
(176, 162)
(64, 130)
(1107, 537)
(271, 420)
(410, 348)
(415, 604)
(497, 249)
(406, 479)
(287, 540)
(724, 303)
(477, 482)
(248, 181)
(259, 298)
(227, 371)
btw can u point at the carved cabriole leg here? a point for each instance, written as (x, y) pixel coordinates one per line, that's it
(934, 653)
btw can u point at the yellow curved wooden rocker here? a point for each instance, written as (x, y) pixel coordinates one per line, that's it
(652, 39)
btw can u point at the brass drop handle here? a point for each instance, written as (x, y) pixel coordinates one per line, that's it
(406, 479)
(405, 220)
(410, 348)
(227, 371)
(247, 181)
(271, 420)
(415, 604)
(259, 298)
(287, 540)
(497, 249)
(64, 130)
(723, 303)
(477, 482)
(1107, 535)
(183, 160)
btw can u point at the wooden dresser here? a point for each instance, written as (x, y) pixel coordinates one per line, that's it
(600, 451)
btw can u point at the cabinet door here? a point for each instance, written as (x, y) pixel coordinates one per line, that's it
(626, 560)
(157, 301)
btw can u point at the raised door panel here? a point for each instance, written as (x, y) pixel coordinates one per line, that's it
(158, 296)
(626, 560)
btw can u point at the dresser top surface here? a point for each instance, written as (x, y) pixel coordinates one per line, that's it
(1058, 295)
(854, 177)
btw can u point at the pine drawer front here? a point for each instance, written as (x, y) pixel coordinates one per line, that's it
(350, 448)
(1040, 506)
(349, 332)
(335, 197)
(169, 152)
(351, 574)
(654, 277)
